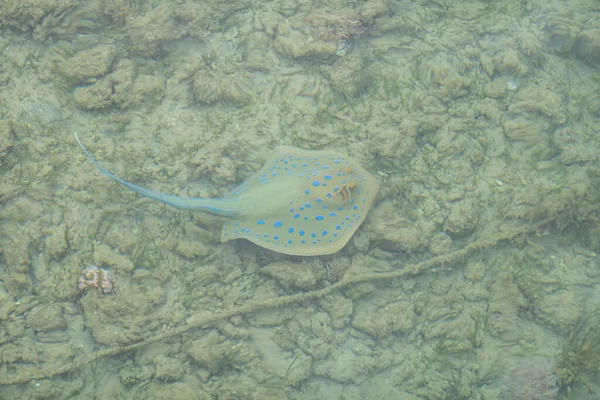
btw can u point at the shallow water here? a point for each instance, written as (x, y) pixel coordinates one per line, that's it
(479, 118)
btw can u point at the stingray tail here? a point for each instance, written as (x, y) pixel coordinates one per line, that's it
(219, 207)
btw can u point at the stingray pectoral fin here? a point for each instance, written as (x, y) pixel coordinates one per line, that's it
(212, 206)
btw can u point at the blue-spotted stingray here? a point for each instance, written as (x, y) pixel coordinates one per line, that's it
(300, 202)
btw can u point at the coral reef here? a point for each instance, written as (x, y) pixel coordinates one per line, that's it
(97, 278)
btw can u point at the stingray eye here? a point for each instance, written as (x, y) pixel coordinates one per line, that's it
(348, 169)
(345, 191)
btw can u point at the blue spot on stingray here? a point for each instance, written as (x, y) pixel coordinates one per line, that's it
(313, 235)
(324, 233)
(277, 224)
(338, 227)
(319, 218)
(296, 216)
(332, 214)
(291, 230)
(307, 192)
(319, 200)
(301, 233)
(355, 207)
(316, 183)
(303, 241)
(276, 237)
(340, 208)
(329, 195)
(243, 229)
(260, 222)
(307, 205)
(289, 242)
(328, 177)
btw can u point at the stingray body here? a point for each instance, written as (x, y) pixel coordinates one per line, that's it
(301, 202)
